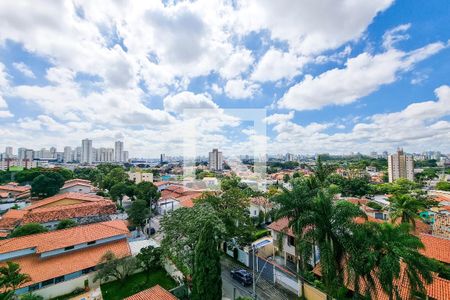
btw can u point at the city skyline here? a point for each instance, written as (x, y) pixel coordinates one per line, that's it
(373, 76)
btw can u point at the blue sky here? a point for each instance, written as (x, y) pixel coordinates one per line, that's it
(330, 76)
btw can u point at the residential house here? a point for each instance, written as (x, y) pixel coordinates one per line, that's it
(260, 205)
(82, 208)
(77, 186)
(14, 191)
(154, 293)
(174, 196)
(60, 261)
(139, 176)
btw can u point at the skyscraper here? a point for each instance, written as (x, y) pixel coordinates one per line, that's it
(67, 155)
(86, 151)
(8, 152)
(400, 165)
(118, 151)
(21, 153)
(215, 160)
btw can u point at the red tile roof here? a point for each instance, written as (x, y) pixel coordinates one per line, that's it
(155, 293)
(63, 238)
(261, 201)
(281, 225)
(436, 247)
(187, 200)
(58, 197)
(15, 188)
(43, 269)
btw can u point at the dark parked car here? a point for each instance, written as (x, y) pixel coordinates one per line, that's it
(242, 276)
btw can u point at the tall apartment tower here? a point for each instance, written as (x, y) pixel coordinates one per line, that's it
(215, 160)
(118, 151)
(67, 154)
(8, 152)
(86, 151)
(400, 165)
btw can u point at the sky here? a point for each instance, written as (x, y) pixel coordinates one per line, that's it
(251, 76)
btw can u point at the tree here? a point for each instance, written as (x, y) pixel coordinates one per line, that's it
(11, 277)
(118, 191)
(286, 178)
(66, 223)
(31, 296)
(138, 213)
(111, 267)
(47, 184)
(149, 258)
(147, 191)
(231, 207)
(181, 233)
(27, 229)
(384, 253)
(207, 280)
(114, 176)
(443, 186)
(406, 208)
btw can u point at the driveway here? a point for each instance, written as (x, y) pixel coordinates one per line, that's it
(264, 289)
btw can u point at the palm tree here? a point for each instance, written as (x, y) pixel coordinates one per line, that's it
(406, 208)
(330, 225)
(386, 253)
(11, 278)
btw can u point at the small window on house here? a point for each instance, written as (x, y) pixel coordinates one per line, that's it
(69, 248)
(88, 270)
(33, 287)
(48, 282)
(91, 242)
(291, 241)
(59, 279)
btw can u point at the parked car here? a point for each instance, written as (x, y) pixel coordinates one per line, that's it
(242, 276)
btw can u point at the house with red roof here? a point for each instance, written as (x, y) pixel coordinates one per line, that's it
(59, 261)
(154, 293)
(81, 208)
(77, 185)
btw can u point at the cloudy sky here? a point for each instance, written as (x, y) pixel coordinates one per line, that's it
(322, 76)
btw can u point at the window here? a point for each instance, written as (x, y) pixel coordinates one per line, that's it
(48, 282)
(88, 270)
(33, 287)
(291, 241)
(91, 242)
(69, 248)
(59, 279)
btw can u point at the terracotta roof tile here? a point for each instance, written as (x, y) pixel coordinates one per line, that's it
(261, 201)
(63, 238)
(15, 188)
(75, 196)
(154, 293)
(44, 269)
(436, 247)
(281, 225)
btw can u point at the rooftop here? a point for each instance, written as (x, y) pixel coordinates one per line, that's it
(155, 293)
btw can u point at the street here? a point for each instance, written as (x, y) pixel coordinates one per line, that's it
(264, 289)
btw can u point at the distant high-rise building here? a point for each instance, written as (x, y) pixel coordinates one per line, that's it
(163, 158)
(215, 160)
(400, 165)
(21, 152)
(52, 152)
(86, 151)
(118, 150)
(68, 157)
(77, 154)
(8, 152)
(125, 156)
(289, 157)
(29, 154)
(105, 155)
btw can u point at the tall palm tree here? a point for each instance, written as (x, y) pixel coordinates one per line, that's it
(386, 253)
(406, 208)
(330, 224)
(11, 277)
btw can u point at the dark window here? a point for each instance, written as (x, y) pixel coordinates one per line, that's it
(33, 287)
(47, 282)
(88, 270)
(91, 242)
(69, 248)
(59, 279)
(291, 241)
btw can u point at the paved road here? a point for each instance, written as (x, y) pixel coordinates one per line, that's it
(264, 289)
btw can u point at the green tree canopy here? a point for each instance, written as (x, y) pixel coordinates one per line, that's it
(66, 223)
(11, 277)
(138, 213)
(206, 279)
(114, 176)
(27, 229)
(119, 190)
(405, 208)
(443, 186)
(181, 233)
(47, 184)
(114, 268)
(147, 191)
(150, 258)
